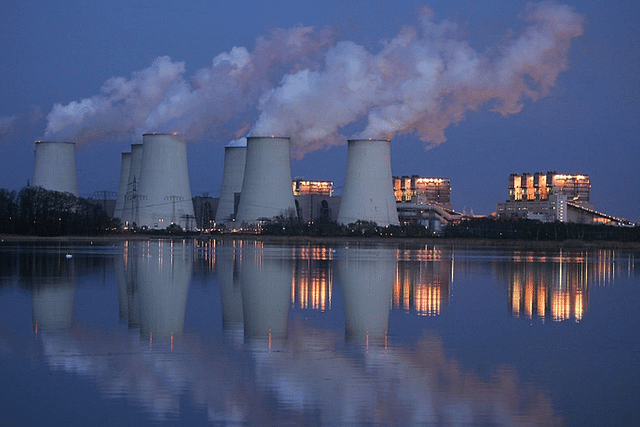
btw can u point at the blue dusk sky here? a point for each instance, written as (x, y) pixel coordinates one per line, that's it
(466, 90)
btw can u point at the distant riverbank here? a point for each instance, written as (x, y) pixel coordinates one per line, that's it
(407, 241)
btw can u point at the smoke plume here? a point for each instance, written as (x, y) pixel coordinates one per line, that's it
(160, 99)
(422, 80)
(299, 83)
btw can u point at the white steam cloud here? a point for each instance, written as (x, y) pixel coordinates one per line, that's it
(160, 99)
(422, 80)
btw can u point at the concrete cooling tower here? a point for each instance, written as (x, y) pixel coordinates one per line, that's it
(130, 210)
(266, 187)
(125, 166)
(232, 177)
(164, 191)
(368, 187)
(55, 167)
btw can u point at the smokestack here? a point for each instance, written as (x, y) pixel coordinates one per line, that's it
(266, 187)
(55, 167)
(368, 188)
(164, 191)
(130, 211)
(232, 177)
(125, 167)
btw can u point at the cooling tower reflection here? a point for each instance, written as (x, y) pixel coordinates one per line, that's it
(265, 275)
(154, 285)
(366, 275)
(52, 279)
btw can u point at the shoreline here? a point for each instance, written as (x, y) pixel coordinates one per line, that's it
(297, 240)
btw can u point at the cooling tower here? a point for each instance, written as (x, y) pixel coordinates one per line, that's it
(266, 187)
(232, 177)
(55, 167)
(130, 210)
(368, 187)
(125, 166)
(164, 192)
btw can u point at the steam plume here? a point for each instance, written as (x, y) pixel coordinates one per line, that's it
(159, 98)
(422, 80)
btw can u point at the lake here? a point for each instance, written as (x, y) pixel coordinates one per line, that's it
(240, 332)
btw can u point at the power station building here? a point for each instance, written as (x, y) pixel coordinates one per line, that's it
(551, 197)
(315, 200)
(423, 191)
(424, 201)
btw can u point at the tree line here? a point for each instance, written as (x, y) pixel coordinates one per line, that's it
(482, 228)
(34, 211)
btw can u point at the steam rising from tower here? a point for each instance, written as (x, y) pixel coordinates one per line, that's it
(420, 81)
(55, 167)
(368, 186)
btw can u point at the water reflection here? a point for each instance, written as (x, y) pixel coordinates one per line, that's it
(53, 281)
(423, 280)
(555, 286)
(280, 368)
(366, 275)
(154, 284)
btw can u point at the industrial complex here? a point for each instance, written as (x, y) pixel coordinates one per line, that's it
(154, 190)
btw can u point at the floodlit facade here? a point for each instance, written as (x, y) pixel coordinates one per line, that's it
(540, 186)
(305, 188)
(232, 178)
(164, 191)
(368, 188)
(266, 186)
(422, 190)
(553, 197)
(55, 167)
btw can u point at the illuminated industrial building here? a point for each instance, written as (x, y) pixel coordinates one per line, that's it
(315, 201)
(306, 188)
(423, 191)
(553, 197)
(424, 201)
(541, 186)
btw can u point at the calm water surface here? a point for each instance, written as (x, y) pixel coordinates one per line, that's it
(246, 333)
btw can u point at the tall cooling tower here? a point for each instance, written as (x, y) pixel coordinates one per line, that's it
(55, 167)
(368, 188)
(266, 187)
(164, 191)
(232, 177)
(130, 211)
(125, 166)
